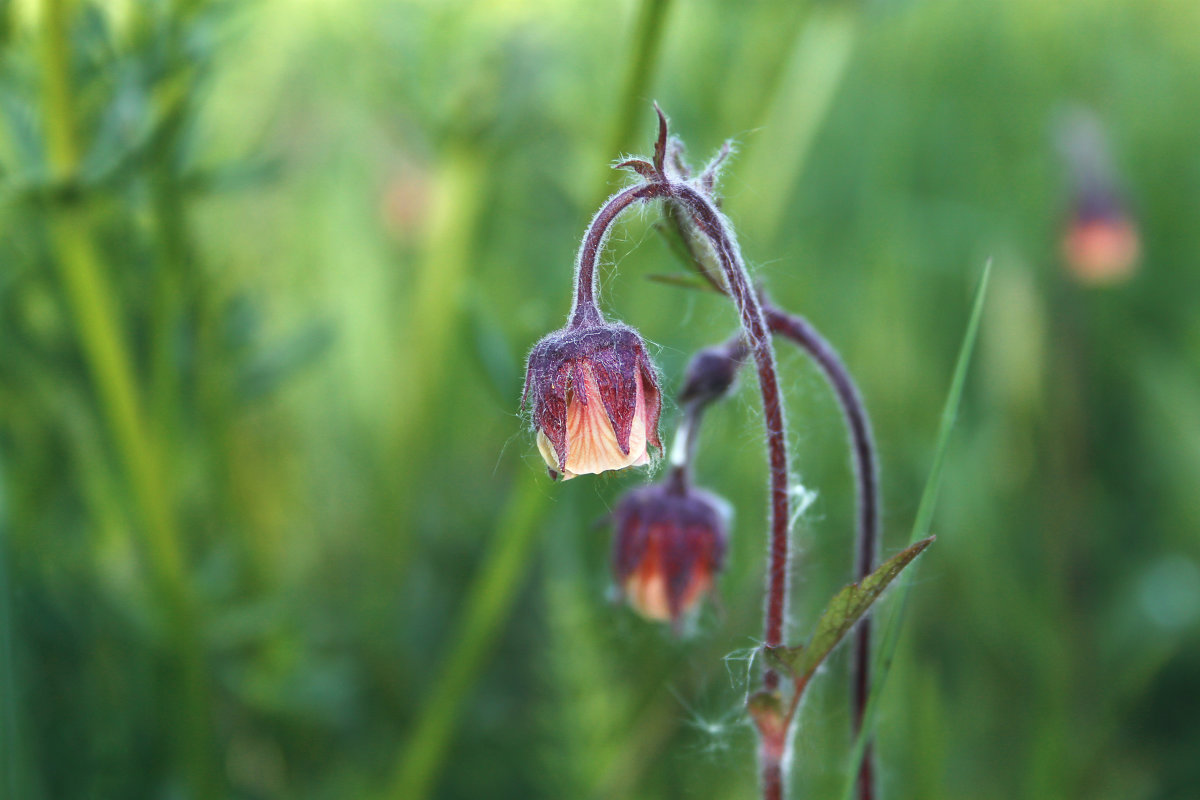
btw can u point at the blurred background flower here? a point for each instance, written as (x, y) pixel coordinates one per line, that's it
(269, 523)
(1101, 244)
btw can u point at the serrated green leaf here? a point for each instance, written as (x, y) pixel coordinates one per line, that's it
(845, 609)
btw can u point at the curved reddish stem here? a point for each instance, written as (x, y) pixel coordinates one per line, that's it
(866, 467)
(710, 222)
(585, 311)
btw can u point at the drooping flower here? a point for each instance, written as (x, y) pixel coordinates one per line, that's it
(594, 399)
(1101, 244)
(669, 545)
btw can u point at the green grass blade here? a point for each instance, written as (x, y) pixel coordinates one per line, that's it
(778, 153)
(484, 614)
(12, 783)
(632, 105)
(891, 630)
(949, 414)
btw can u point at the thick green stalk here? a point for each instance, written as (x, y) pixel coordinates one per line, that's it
(91, 303)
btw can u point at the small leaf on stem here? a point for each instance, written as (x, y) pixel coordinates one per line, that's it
(785, 659)
(686, 242)
(766, 709)
(660, 146)
(641, 167)
(682, 280)
(845, 609)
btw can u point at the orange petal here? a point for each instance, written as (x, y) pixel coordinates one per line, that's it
(591, 441)
(1101, 252)
(649, 595)
(646, 588)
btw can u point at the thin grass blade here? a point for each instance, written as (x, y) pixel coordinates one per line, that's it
(485, 613)
(891, 630)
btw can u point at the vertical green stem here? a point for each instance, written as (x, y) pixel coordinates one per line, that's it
(91, 302)
(12, 775)
(169, 221)
(484, 610)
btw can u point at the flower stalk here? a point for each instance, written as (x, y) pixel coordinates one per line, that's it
(665, 183)
(669, 541)
(801, 332)
(710, 222)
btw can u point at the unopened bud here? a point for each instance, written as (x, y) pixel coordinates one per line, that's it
(712, 372)
(1101, 243)
(669, 545)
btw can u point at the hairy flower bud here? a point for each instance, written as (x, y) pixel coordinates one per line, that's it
(594, 399)
(669, 546)
(712, 372)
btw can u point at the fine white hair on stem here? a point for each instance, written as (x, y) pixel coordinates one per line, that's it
(803, 499)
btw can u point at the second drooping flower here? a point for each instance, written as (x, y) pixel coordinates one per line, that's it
(669, 545)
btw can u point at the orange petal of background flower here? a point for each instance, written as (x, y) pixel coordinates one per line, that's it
(1101, 252)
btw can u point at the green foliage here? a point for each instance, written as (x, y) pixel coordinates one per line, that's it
(800, 662)
(325, 233)
(891, 631)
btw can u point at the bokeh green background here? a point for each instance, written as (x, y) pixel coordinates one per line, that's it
(270, 525)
